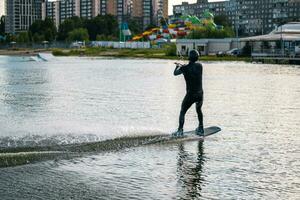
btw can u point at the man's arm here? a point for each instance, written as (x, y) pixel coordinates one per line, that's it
(178, 70)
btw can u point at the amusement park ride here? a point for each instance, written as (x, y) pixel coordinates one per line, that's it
(178, 28)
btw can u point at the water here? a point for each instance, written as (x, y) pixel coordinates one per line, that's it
(63, 111)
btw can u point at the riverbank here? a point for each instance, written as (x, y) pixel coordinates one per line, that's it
(136, 53)
(22, 52)
(109, 52)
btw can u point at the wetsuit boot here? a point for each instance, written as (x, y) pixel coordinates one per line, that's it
(199, 131)
(178, 133)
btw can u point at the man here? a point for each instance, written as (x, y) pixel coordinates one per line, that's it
(194, 92)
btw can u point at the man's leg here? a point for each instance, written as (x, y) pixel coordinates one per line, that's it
(200, 129)
(199, 113)
(186, 104)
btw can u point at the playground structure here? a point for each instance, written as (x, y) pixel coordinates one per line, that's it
(178, 28)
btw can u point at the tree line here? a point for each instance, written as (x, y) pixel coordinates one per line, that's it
(72, 29)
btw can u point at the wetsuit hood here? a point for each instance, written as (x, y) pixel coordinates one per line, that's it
(194, 56)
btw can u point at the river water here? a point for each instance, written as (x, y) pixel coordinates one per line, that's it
(80, 103)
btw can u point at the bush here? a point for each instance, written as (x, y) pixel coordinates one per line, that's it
(206, 32)
(171, 50)
(58, 52)
(80, 34)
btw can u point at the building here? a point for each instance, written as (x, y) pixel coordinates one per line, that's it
(2, 8)
(60, 10)
(21, 14)
(251, 17)
(86, 8)
(149, 11)
(52, 11)
(164, 9)
(218, 8)
(68, 9)
(206, 46)
(282, 43)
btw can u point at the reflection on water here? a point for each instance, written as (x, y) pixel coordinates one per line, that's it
(81, 100)
(189, 172)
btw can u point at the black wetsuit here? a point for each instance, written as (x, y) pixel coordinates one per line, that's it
(194, 91)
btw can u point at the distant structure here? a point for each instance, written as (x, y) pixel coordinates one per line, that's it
(22, 13)
(2, 8)
(251, 17)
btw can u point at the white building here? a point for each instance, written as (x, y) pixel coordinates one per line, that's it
(207, 46)
(2, 7)
(282, 42)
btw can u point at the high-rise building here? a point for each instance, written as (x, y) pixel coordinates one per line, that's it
(86, 9)
(2, 7)
(68, 9)
(21, 14)
(142, 10)
(149, 11)
(251, 17)
(59, 10)
(162, 10)
(52, 10)
(118, 8)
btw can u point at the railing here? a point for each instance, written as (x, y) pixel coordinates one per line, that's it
(274, 53)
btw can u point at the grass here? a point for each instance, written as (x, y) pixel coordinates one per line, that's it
(135, 53)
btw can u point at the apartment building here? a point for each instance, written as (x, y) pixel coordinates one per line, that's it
(251, 17)
(21, 14)
(52, 11)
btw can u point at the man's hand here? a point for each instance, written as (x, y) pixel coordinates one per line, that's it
(177, 70)
(178, 64)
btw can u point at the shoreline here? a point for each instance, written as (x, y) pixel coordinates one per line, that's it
(114, 53)
(23, 52)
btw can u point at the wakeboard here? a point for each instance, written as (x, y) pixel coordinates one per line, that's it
(207, 131)
(187, 136)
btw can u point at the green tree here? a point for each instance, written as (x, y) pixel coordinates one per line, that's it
(102, 25)
(134, 26)
(43, 30)
(222, 20)
(11, 38)
(163, 21)
(37, 38)
(207, 32)
(171, 50)
(80, 34)
(23, 37)
(106, 38)
(67, 26)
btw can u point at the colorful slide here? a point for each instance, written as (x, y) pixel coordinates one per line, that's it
(178, 28)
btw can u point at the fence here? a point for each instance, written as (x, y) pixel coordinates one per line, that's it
(286, 52)
(66, 45)
(121, 45)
